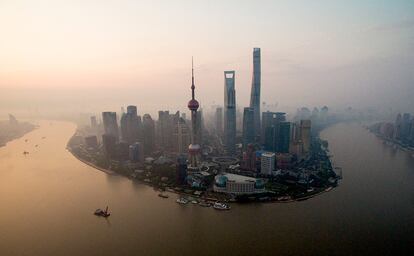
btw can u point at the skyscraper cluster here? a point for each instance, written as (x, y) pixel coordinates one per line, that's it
(268, 135)
(268, 131)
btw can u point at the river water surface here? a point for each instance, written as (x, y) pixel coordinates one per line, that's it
(47, 199)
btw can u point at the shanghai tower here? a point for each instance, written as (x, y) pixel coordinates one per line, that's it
(255, 92)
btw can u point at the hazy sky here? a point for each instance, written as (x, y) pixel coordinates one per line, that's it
(101, 54)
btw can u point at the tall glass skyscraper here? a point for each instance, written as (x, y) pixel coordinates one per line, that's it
(229, 112)
(110, 124)
(255, 92)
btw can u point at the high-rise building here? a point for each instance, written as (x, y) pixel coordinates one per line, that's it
(132, 110)
(271, 127)
(248, 127)
(124, 127)
(164, 130)
(282, 141)
(109, 143)
(148, 134)
(110, 124)
(136, 153)
(200, 128)
(181, 136)
(194, 148)
(255, 91)
(131, 126)
(219, 121)
(229, 112)
(296, 144)
(305, 135)
(181, 169)
(268, 160)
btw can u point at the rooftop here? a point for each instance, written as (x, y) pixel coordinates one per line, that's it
(239, 178)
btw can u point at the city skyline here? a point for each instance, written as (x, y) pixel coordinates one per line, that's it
(292, 133)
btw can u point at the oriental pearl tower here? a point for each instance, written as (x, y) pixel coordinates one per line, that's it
(194, 147)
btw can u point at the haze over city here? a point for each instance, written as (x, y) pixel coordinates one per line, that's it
(206, 127)
(89, 55)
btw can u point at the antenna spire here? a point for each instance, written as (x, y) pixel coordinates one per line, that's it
(192, 78)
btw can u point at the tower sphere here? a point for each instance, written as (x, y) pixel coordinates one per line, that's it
(193, 104)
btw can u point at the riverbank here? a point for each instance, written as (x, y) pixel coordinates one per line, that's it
(10, 132)
(91, 164)
(393, 143)
(212, 196)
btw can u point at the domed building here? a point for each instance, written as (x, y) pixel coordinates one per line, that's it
(237, 184)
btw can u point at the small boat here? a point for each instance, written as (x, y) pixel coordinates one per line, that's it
(284, 198)
(194, 202)
(182, 200)
(102, 213)
(163, 195)
(221, 206)
(309, 190)
(328, 189)
(204, 204)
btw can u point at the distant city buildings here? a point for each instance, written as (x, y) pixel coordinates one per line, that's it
(229, 112)
(400, 131)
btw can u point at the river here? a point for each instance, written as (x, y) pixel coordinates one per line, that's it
(47, 199)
